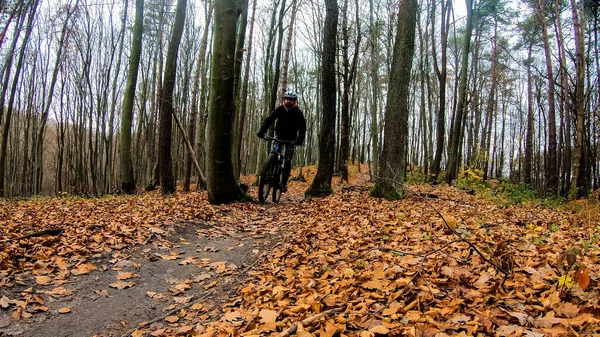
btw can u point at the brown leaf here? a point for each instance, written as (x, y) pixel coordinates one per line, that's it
(568, 310)
(232, 316)
(43, 280)
(159, 332)
(83, 269)
(172, 319)
(122, 285)
(509, 330)
(184, 330)
(380, 329)
(547, 321)
(64, 310)
(137, 333)
(267, 315)
(582, 278)
(125, 276)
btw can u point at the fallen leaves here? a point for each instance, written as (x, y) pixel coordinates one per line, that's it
(333, 257)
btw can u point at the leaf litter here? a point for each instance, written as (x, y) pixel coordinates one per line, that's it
(347, 264)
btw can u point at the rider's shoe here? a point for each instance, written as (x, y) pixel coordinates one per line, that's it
(284, 188)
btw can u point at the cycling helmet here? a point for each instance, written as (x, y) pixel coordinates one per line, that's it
(291, 95)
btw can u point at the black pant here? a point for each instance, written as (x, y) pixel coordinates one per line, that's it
(290, 150)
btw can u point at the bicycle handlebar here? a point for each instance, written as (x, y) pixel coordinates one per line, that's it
(279, 140)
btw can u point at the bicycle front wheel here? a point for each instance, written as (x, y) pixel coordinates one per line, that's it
(276, 185)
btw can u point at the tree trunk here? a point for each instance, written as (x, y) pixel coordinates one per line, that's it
(441, 72)
(580, 181)
(127, 177)
(375, 89)
(528, 157)
(552, 160)
(244, 98)
(220, 179)
(192, 128)
(395, 146)
(321, 185)
(167, 182)
(458, 127)
(348, 74)
(238, 123)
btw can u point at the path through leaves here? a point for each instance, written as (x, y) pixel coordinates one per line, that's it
(346, 265)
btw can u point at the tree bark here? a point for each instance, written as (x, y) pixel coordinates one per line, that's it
(441, 72)
(458, 127)
(321, 185)
(167, 182)
(580, 180)
(349, 71)
(126, 162)
(375, 90)
(552, 160)
(221, 183)
(395, 145)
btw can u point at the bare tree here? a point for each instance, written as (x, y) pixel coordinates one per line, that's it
(167, 182)
(127, 178)
(321, 185)
(390, 183)
(221, 183)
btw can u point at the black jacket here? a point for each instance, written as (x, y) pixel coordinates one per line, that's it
(289, 124)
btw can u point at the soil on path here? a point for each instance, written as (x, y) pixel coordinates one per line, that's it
(196, 268)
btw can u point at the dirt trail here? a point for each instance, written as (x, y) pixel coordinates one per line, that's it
(199, 264)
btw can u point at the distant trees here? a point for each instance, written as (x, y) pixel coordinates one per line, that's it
(480, 103)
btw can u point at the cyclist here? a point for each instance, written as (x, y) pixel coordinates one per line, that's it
(290, 125)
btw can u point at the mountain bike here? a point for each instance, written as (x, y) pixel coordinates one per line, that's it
(271, 174)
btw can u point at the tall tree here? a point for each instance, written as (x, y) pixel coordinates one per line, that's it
(127, 177)
(374, 33)
(221, 183)
(552, 158)
(238, 123)
(321, 185)
(392, 173)
(441, 73)
(580, 181)
(167, 182)
(348, 73)
(454, 152)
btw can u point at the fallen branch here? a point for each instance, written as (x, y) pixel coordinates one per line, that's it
(52, 231)
(308, 321)
(190, 149)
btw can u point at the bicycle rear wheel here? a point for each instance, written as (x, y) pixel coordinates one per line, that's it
(265, 181)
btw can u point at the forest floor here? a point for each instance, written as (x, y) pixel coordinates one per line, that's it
(431, 264)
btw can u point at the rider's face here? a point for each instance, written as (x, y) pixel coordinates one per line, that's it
(288, 102)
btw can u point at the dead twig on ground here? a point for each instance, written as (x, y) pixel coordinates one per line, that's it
(51, 231)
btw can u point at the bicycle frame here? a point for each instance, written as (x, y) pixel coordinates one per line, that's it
(270, 177)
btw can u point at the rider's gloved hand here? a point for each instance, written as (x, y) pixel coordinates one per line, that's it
(260, 135)
(298, 142)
